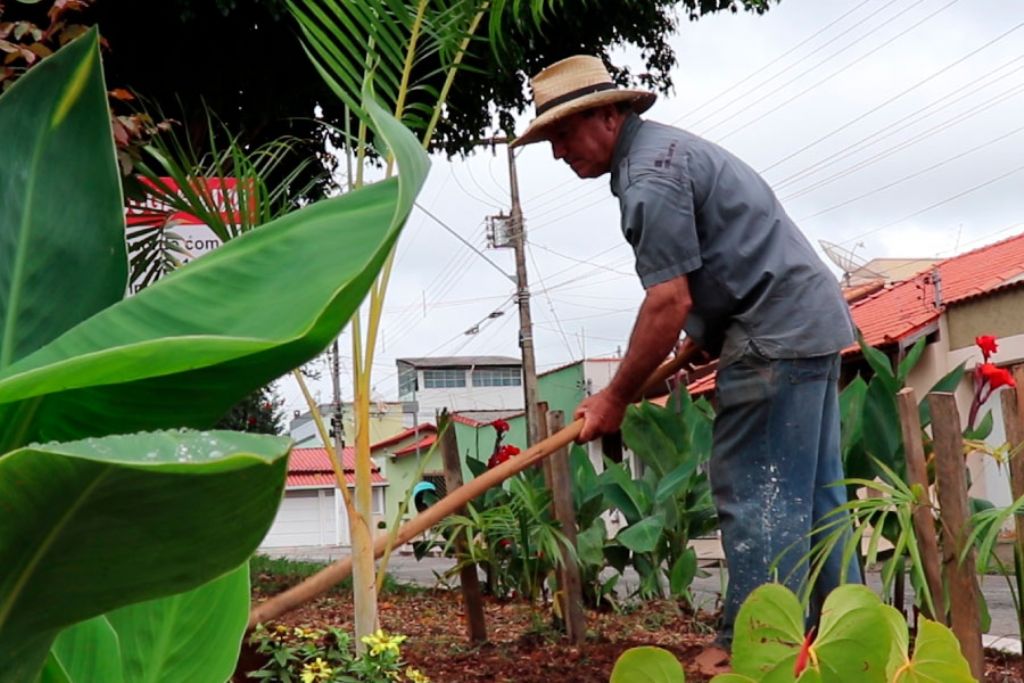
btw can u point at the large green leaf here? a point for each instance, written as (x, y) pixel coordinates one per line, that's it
(949, 382)
(647, 665)
(853, 643)
(92, 525)
(643, 536)
(768, 632)
(883, 437)
(87, 651)
(181, 352)
(62, 252)
(681, 575)
(852, 646)
(909, 361)
(656, 435)
(937, 657)
(193, 636)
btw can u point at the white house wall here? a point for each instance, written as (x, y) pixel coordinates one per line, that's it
(466, 398)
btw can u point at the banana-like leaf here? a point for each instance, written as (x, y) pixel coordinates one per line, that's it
(87, 651)
(93, 525)
(193, 636)
(181, 352)
(62, 252)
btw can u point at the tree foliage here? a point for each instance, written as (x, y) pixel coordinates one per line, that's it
(245, 61)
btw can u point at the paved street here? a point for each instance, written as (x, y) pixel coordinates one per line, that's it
(1003, 631)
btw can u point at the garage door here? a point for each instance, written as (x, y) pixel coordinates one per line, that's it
(304, 518)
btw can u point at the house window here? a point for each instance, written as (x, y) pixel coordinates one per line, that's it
(377, 500)
(497, 377)
(444, 378)
(406, 380)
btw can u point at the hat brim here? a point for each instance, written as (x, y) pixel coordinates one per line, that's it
(537, 130)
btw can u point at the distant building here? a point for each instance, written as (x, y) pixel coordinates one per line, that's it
(387, 418)
(460, 383)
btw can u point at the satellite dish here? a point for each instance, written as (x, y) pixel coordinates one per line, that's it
(847, 260)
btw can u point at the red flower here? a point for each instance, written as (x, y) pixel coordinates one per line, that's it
(500, 425)
(501, 455)
(804, 654)
(996, 377)
(987, 344)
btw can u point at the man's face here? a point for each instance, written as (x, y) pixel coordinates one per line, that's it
(586, 141)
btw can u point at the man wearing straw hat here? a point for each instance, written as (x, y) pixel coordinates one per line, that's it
(719, 258)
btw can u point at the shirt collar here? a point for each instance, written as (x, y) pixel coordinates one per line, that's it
(627, 133)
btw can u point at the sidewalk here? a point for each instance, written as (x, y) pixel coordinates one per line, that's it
(1002, 634)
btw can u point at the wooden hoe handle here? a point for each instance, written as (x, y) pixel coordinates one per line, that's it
(331, 575)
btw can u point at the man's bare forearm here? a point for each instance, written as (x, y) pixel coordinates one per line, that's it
(655, 333)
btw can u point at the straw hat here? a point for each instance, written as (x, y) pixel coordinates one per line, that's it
(572, 85)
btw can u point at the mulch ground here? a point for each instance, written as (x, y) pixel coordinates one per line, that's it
(524, 648)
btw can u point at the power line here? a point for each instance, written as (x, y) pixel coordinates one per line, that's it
(463, 240)
(574, 259)
(956, 196)
(773, 62)
(912, 175)
(892, 99)
(490, 204)
(551, 305)
(839, 71)
(561, 185)
(889, 151)
(911, 119)
(771, 78)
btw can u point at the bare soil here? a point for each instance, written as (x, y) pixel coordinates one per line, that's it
(524, 647)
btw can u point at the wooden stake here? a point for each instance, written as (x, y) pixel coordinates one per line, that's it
(951, 475)
(322, 581)
(570, 584)
(1013, 420)
(924, 522)
(472, 599)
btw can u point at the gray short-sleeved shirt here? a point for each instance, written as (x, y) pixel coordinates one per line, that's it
(690, 207)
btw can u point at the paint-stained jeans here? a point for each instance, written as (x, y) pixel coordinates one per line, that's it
(776, 450)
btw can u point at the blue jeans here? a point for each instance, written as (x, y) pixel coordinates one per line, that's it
(776, 450)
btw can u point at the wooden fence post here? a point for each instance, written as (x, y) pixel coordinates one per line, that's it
(1013, 420)
(951, 475)
(468, 577)
(924, 522)
(570, 584)
(543, 433)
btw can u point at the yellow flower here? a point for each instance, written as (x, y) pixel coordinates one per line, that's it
(416, 676)
(380, 642)
(316, 671)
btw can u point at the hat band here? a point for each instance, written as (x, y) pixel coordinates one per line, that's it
(574, 94)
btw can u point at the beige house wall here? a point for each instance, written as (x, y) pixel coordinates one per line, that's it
(1000, 314)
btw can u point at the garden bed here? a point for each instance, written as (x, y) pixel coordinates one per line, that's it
(523, 645)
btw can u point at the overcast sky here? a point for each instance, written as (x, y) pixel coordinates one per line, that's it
(888, 127)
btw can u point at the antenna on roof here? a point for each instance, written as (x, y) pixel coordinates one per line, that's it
(847, 260)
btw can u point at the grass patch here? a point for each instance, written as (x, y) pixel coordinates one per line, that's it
(272, 575)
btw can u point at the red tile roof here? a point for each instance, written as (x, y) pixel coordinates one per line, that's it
(423, 445)
(312, 467)
(908, 306)
(404, 434)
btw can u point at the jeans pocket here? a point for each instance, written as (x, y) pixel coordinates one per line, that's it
(817, 369)
(748, 380)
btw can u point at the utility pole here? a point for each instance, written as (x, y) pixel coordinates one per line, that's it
(523, 298)
(337, 413)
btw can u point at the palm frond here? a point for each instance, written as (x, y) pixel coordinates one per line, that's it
(228, 187)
